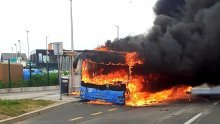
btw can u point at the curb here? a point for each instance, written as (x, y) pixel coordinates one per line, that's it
(32, 113)
(28, 89)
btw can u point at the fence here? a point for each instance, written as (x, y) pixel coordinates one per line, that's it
(12, 76)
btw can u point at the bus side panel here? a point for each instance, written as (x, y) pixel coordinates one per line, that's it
(116, 97)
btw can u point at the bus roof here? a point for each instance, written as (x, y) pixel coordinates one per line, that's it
(104, 57)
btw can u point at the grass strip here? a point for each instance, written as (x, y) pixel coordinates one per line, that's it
(17, 107)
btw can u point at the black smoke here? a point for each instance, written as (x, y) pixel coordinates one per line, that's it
(183, 45)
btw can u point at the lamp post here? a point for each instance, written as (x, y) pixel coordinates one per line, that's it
(47, 61)
(16, 54)
(19, 42)
(30, 83)
(15, 48)
(71, 20)
(12, 49)
(27, 42)
(12, 52)
(117, 31)
(71, 75)
(19, 52)
(46, 48)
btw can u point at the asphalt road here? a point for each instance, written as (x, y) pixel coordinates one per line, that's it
(199, 110)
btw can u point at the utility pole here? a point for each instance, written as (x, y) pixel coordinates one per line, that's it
(12, 53)
(46, 49)
(30, 83)
(19, 42)
(47, 61)
(16, 52)
(71, 20)
(19, 52)
(27, 43)
(15, 48)
(12, 49)
(71, 70)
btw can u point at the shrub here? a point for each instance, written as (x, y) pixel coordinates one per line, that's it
(3, 85)
(36, 80)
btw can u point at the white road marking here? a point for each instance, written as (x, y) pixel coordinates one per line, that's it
(97, 113)
(215, 103)
(193, 119)
(112, 109)
(76, 118)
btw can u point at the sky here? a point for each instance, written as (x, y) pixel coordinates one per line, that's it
(93, 22)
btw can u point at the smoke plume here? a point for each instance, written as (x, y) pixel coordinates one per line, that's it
(183, 45)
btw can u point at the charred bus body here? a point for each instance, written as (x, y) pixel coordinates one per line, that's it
(104, 75)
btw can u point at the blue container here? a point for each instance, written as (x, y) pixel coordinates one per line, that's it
(26, 74)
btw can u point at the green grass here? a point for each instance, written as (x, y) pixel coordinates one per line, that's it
(18, 107)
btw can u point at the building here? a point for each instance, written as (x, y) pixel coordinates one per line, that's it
(42, 58)
(14, 58)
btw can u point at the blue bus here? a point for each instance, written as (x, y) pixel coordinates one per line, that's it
(96, 68)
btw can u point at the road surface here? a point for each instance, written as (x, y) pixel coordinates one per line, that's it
(197, 110)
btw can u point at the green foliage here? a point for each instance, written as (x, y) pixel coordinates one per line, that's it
(3, 85)
(41, 80)
(53, 79)
(20, 83)
(65, 73)
(36, 80)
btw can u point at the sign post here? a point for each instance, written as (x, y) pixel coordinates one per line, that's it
(58, 50)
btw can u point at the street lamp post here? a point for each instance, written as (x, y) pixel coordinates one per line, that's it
(30, 83)
(16, 54)
(15, 48)
(27, 42)
(19, 52)
(12, 49)
(46, 48)
(117, 31)
(71, 20)
(19, 42)
(71, 75)
(12, 52)
(47, 61)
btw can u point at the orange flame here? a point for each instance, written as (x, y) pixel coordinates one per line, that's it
(103, 79)
(102, 48)
(136, 94)
(137, 97)
(75, 93)
(99, 102)
(132, 59)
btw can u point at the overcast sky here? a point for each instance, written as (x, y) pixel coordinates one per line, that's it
(93, 20)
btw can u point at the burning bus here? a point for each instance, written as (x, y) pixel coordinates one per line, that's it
(104, 75)
(111, 77)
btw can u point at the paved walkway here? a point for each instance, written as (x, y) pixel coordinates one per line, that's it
(53, 95)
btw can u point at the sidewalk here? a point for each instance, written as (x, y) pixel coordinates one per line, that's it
(53, 95)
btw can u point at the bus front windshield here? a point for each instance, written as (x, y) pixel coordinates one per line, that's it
(104, 74)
